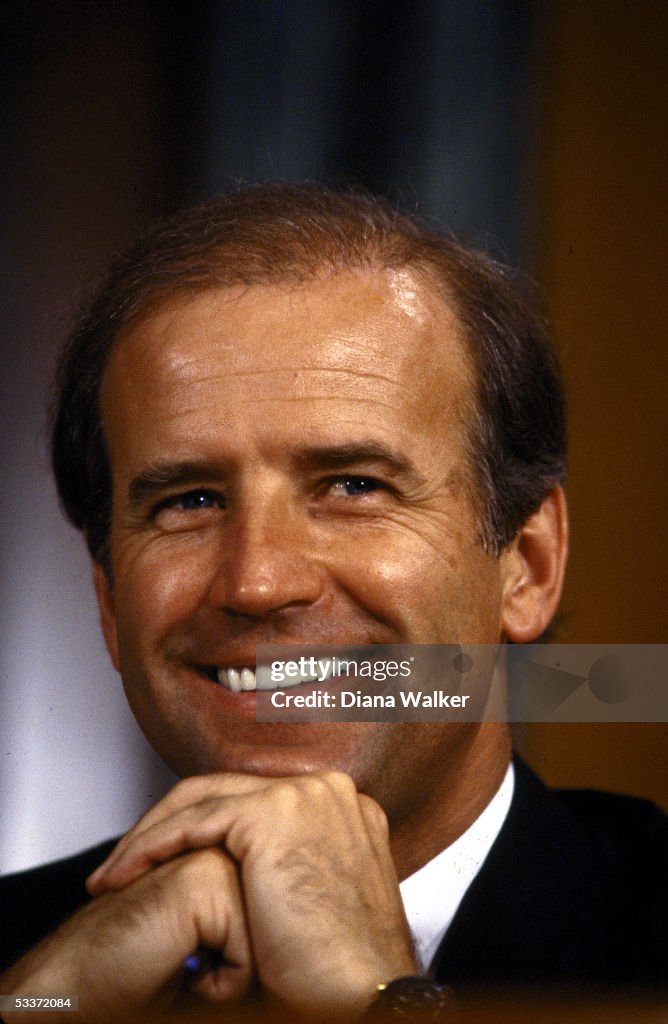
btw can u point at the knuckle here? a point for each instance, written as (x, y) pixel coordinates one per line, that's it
(203, 864)
(197, 821)
(374, 815)
(287, 794)
(340, 783)
(193, 788)
(181, 793)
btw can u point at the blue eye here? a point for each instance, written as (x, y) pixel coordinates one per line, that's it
(197, 509)
(197, 499)
(193, 501)
(355, 486)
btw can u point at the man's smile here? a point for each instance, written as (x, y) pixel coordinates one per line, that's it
(246, 678)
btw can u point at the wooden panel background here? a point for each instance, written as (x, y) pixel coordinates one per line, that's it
(603, 232)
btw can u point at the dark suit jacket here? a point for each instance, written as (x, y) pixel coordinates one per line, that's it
(573, 893)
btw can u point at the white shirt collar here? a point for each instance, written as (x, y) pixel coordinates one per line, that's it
(433, 893)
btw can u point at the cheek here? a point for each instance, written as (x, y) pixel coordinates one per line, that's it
(398, 580)
(427, 594)
(158, 589)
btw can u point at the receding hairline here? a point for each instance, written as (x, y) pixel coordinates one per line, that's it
(220, 278)
(437, 303)
(438, 307)
(284, 232)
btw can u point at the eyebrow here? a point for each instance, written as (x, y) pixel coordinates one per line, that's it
(164, 475)
(355, 453)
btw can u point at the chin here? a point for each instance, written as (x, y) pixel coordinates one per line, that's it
(270, 761)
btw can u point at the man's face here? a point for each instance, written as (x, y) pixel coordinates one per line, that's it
(289, 466)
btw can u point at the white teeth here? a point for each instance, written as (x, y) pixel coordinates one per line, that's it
(264, 681)
(328, 670)
(234, 680)
(237, 679)
(247, 679)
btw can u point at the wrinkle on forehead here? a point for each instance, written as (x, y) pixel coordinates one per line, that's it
(381, 336)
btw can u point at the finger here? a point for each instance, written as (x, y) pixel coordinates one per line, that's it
(222, 927)
(163, 835)
(195, 827)
(186, 792)
(197, 902)
(207, 822)
(126, 950)
(376, 824)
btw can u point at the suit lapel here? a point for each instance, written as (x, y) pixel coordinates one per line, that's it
(534, 914)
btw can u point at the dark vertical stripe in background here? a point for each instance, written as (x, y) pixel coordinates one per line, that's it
(426, 102)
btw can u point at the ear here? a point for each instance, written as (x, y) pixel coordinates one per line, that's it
(106, 604)
(534, 570)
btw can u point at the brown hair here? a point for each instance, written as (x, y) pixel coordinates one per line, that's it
(287, 232)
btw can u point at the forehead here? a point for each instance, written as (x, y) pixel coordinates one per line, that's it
(379, 345)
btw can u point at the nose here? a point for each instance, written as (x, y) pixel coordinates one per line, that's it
(267, 563)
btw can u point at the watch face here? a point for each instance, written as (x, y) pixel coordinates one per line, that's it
(413, 999)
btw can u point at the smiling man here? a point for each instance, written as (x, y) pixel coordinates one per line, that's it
(294, 416)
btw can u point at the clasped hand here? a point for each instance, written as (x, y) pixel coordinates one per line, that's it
(289, 879)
